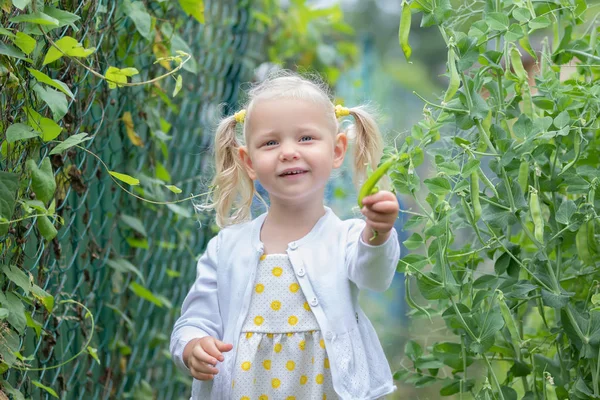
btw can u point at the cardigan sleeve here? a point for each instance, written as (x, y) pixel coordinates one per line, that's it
(371, 267)
(200, 314)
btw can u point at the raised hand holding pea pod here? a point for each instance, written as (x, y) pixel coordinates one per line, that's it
(370, 186)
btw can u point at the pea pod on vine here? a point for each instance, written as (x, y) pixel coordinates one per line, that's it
(475, 196)
(404, 30)
(523, 176)
(454, 78)
(536, 216)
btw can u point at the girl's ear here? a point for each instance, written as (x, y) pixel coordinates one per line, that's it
(339, 151)
(247, 162)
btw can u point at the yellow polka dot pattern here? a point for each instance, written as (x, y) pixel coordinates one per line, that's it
(282, 354)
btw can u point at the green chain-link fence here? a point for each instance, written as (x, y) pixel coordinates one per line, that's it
(107, 231)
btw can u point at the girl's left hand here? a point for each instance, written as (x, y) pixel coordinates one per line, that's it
(381, 210)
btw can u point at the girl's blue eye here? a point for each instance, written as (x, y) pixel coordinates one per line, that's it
(310, 137)
(268, 143)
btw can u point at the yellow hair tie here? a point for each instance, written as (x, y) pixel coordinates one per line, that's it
(240, 116)
(341, 111)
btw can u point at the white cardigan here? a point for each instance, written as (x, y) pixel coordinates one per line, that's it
(332, 263)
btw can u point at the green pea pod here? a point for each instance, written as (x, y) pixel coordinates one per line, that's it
(592, 245)
(523, 176)
(582, 244)
(487, 182)
(467, 210)
(404, 30)
(475, 196)
(371, 182)
(527, 101)
(536, 216)
(509, 322)
(454, 78)
(517, 63)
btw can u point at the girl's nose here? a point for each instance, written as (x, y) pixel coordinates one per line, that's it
(288, 153)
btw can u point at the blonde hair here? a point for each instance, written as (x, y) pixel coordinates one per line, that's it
(232, 188)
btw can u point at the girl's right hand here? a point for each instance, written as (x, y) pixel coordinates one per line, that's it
(203, 356)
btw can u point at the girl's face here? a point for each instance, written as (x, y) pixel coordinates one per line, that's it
(292, 135)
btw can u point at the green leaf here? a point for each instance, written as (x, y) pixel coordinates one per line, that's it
(451, 354)
(9, 184)
(469, 167)
(566, 211)
(50, 129)
(124, 266)
(497, 21)
(449, 168)
(412, 262)
(484, 326)
(94, 353)
(70, 142)
(6, 32)
(3, 313)
(173, 189)
(20, 132)
(16, 308)
(25, 42)
(515, 32)
(134, 223)
(70, 47)
(195, 8)
(46, 388)
(145, 294)
(140, 17)
(502, 263)
(521, 14)
(41, 77)
(413, 350)
(431, 288)
(554, 300)
(115, 76)
(44, 297)
(21, 4)
(414, 221)
(413, 242)
(37, 18)
(57, 101)
(36, 326)
(439, 186)
(8, 346)
(125, 178)
(64, 18)
(184, 212)
(46, 227)
(523, 127)
(12, 51)
(562, 120)
(43, 183)
(178, 85)
(540, 23)
(18, 277)
(162, 173)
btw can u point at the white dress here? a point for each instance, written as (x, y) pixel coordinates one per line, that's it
(281, 354)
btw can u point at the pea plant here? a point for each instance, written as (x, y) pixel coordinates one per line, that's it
(504, 249)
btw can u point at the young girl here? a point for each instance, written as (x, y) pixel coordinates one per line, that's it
(273, 313)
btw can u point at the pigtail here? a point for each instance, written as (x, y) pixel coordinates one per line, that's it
(231, 180)
(368, 144)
